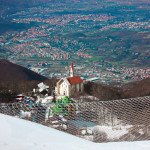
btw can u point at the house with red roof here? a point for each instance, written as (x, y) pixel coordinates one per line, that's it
(70, 85)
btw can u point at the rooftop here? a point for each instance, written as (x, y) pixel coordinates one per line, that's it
(74, 80)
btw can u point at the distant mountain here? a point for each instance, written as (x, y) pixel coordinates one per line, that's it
(14, 73)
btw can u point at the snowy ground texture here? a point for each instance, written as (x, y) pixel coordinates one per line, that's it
(18, 134)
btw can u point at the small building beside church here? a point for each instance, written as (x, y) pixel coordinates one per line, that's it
(70, 85)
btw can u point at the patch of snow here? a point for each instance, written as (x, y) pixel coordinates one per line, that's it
(24, 114)
(141, 131)
(19, 95)
(47, 99)
(114, 132)
(89, 97)
(83, 132)
(18, 134)
(43, 86)
(55, 121)
(19, 98)
(89, 131)
(64, 126)
(62, 118)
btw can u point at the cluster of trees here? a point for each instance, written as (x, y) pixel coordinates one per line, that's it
(141, 88)
(9, 90)
(7, 96)
(102, 92)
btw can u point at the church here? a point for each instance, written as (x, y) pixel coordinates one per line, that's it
(70, 85)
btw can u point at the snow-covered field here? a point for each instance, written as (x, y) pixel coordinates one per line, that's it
(18, 134)
(114, 132)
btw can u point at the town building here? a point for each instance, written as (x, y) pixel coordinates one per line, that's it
(71, 85)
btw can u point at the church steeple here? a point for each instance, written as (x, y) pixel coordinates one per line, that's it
(71, 70)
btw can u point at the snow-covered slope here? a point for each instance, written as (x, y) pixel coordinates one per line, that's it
(17, 134)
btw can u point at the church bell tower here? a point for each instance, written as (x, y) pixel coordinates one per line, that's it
(72, 70)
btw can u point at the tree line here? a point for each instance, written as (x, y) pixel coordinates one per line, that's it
(9, 90)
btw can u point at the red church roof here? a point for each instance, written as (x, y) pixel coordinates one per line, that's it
(74, 80)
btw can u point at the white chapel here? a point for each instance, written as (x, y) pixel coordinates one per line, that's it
(70, 85)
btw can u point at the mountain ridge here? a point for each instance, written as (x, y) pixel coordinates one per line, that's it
(14, 73)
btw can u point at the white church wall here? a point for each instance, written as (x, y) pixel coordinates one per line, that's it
(68, 90)
(64, 89)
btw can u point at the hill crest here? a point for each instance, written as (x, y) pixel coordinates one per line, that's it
(14, 73)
